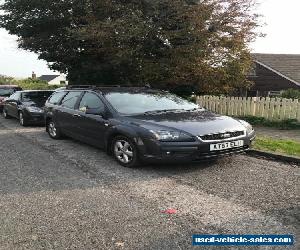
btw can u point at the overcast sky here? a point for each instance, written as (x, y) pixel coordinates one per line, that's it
(282, 20)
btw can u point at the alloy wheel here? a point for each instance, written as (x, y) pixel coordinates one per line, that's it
(21, 118)
(52, 129)
(123, 151)
(4, 113)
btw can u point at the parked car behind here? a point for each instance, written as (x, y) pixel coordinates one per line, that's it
(141, 124)
(27, 106)
(6, 91)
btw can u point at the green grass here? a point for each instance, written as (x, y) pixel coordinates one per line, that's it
(287, 147)
(260, 121)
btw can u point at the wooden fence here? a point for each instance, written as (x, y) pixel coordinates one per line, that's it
(269, 108)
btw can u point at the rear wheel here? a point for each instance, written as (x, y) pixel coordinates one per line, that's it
(125, 151)
(5, 115)
(23, 121)
(53, 130)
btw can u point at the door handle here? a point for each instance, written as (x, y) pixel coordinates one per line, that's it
(76, 115)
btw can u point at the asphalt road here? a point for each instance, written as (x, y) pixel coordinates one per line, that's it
(67, 195)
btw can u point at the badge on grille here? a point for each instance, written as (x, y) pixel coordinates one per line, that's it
(225, 136)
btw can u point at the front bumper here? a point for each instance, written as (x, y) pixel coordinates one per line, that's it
(189, 152)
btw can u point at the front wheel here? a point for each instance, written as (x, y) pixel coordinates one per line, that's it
(53, 130)
(125, 152)
(22, 120)
(5, 115)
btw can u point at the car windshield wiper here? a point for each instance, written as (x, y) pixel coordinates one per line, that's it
(163, 111)
(194, 109)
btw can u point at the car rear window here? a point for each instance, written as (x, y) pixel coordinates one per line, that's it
(36, 96)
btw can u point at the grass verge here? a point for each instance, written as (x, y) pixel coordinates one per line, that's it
(260, 121)
(287, 147)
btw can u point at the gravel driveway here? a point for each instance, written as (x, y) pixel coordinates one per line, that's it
(67, 195)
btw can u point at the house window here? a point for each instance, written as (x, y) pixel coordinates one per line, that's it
(252, 71)
(274, 93)
(62, 82)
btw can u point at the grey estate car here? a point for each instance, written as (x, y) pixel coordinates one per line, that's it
(144, 125)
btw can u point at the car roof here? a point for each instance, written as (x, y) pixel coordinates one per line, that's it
(110, 89)
(29, 91)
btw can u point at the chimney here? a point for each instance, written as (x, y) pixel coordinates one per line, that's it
(33, 75)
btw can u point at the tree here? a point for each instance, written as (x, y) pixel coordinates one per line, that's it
(175, 44)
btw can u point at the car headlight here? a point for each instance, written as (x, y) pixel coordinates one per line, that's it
(166, 135)
(35, 110)
(247, 125)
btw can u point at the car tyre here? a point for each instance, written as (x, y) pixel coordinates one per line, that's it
(23, 121)
(53, 131)
(5, 115)
(125, 152)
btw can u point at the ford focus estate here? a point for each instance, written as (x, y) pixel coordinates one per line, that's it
(144, 125)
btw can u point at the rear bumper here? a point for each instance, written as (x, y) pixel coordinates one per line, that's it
(191, 152)
(35, 118)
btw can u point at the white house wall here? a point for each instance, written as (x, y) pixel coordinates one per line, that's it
(57, 80)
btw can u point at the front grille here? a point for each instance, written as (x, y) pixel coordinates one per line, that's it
(205, 155)
(221, 136)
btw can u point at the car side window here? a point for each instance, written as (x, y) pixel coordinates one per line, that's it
(70, 99)
(56, 97)
(91, 101)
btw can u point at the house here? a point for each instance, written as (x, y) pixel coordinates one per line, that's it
(273, 73)
(54, 79)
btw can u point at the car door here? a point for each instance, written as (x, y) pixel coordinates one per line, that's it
(91, 127)
(66, 115)
(12, 104)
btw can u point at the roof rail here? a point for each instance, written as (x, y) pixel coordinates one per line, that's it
(109, 86)
(81, 86)
(105, 86)
(92, 86)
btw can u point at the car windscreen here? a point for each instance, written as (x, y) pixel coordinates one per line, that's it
(6, 92)
(137, 103)
(39, 97)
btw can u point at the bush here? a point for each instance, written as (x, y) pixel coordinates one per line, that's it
(291, 94)
(6, 80)
(35, 84)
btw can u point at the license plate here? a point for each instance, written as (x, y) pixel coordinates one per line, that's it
(226, 145)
